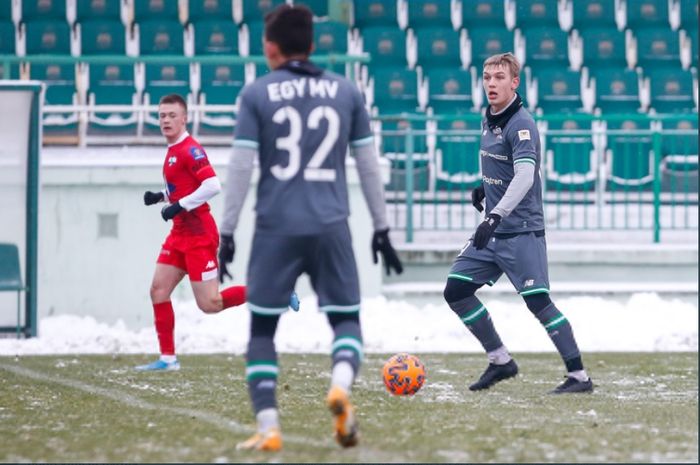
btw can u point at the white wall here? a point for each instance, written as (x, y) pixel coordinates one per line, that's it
(109, 277)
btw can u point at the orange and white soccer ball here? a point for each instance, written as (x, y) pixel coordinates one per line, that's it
(403, 374)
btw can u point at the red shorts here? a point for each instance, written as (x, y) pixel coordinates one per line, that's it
(194, 254)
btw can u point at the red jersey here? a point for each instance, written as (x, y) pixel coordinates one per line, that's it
(186, 166)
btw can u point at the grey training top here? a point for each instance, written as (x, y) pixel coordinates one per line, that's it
(301, 127)
(501, 152)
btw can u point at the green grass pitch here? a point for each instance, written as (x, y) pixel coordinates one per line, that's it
(98, 409)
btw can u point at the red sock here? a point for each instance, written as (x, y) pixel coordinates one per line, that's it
(165, 327)
(232, 296)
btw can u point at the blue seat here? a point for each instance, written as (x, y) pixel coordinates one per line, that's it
(671, 90)
(429, 13)
(161, 37)
(679, 151)
(396, 91)
(154, 10)
(220, 85)
(483, 13)
(386, 45)
(594, 13)
(112, 85)
(43, 10)
(11, 276)
(603, 47)
(374, 13)
(617, 90)
(210, 10)
(489, 41)
(658, 47)
(450, 90)
(647, 13)
(457, 153)
(61, 89)
(571, 163)
(536, 13)
(49, 36)
(213, 36)
(546, 47)
(331, 37)
(559, 90)
(438, 46)
(102, 37)
(90, 10)
(629, 156)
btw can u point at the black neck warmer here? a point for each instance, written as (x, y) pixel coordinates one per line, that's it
(302, 67)
(502, 118)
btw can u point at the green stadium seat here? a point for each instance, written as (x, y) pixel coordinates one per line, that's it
(88, 10)
(102, 37)
(617, 90)
(679, 165)
(60, 81)
(393, 147)
(160, 81)
(456, 153)
(7, 38)
(570, 160)
(658, 48)
(483, 14)
(647, 13)
(689, 14)
(318, 7)
(210, 10)
(629, 156)
(559, 90)
(12, 73)
(489, 41)
(671, 90)
(331, 37)
(603, 48)
(386, 45)
(693, 39)
(43, 10)
(161, 37)
(536, 13)
(213, 36)
(112, 85)
(546, 47)
(47, 37)
(438, 46)
(374, 13)
(220, 85)
(680, 144)
(450, 90)
(255, 37)
(594, 13)
(5, 11)
(396, 91)
(155, 10)
(255, 10)
(429, 13)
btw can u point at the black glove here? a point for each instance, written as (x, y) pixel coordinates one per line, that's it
(382, 244)
(485, 230)
(149, 198)
(168, 212)
(227, 249)
(478, 196)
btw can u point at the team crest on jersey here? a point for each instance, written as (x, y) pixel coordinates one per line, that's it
(524, 134)
(197, 153)
(172, 160)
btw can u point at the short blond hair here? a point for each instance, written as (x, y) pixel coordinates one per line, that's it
(507, 60)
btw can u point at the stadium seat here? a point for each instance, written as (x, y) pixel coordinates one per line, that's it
(213, 36)
(629, 156)
(393, 147)
(617, 90)
(47, 37)
(100, 37)
(693, 38)
(331, 37)
(689, 14)
(456, 153)
(536, 13)
(13, 72)
(487, 42)
(160, 81)
(7, 38)
(396, 91)
(318, 7)
(374, 13)
(210, 10)
(5, 11)
(647, 13)
(89, 10)
(112, 85)
(43, 10)
(559, 90)
(570, 159)
(386, 45)
(658, 47)
(255, 37)
(679, 165)
(450, 90)
(255, 10)
(60, 83)
(594, 14)
(671, 90)
(483, 14)
(220, 85)
(603, 48)
(439, 47)
(430, 13)
(161, 37)
(546, 47)
(11, 275)
(155, 10)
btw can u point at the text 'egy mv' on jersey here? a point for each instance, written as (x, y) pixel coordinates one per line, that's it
(500, 150)
(186, 166)
(301, 126)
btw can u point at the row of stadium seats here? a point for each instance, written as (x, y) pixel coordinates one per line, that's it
(456, 13)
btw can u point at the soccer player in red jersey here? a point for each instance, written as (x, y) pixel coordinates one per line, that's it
(191, 247)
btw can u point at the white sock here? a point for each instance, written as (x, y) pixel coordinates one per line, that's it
(267, 418)
(499, 356)
(343, 375)
(579, 375)
(168, 358)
